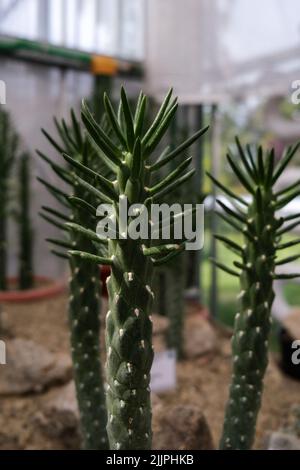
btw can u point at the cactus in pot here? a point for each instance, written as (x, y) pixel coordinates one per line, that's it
(256, 268)
(8, 150)
(128, 324)
(84, 283)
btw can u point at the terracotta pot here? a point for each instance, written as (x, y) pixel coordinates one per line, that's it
(46, 287)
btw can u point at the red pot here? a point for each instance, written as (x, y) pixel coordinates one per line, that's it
(47, 288)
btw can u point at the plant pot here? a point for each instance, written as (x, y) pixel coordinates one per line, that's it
(104, 274)
(45, 288)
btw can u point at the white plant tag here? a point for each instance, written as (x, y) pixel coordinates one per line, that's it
(163, 372)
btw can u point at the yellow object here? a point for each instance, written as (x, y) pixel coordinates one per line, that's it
(103, 65)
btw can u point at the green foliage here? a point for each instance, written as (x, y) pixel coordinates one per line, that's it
(84, 301)
(26, 232)
(257, 261)
(128, 326)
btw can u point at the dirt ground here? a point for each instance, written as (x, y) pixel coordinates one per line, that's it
(202, 381)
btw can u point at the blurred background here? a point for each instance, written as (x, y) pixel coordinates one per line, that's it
(230, 66)
(234, 65)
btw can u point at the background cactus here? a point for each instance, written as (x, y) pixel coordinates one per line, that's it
(26, 232)
(85, 288)
(262, 231)
(8, 150)
(128, 325)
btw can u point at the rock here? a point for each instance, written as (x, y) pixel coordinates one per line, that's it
(282, 441)
(181, 427)
(160, 324)
(32, 368)
(59, 418)
(199, 337)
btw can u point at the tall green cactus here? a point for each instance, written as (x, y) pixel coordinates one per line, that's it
(26, 232)
(262, 231)
(85, 286)
(128, 325)
(8, 149)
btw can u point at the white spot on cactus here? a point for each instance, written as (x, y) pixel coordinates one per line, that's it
(93, 279)
(242, 438)
(129, 432)
(150, 318)
(146, 435)
(145, 376)
(237, 316)
(86, 309)
(85, 356)
(241, 294)
(237, 386)
(75, 322)
(236, 358)
(136, 311)
(129, 367)
(81, 386)
(117, 298)
(118, 445)
(91, 374)
(257, 286)
(111, 418)
(81, 290)
(250, 414)
(97, 389)
(141, 410)
(76, 270)
(249, 265)
(71, 298)
(130, 276)
(96, 423)
(249, 312)
(235, 420)
(108, 279)
(122, 404)
(89, 404)
(142, 344)
(109, 351)
(108, 314)
(263, 257)
(250, 221)
(266, 305)
(241, 334)
(130, 420)
(133, 392)
(121, 332)
(258, 329)
(116, 382)
(268, 227)
(250, 386)
(243, 399)
(250, 354)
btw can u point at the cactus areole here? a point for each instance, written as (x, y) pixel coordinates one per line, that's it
(128, 324)
(262, 231)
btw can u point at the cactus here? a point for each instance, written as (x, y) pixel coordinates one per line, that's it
(128, 324)
(85, 288)
(26, 232)
(8, 149)
(262, 231)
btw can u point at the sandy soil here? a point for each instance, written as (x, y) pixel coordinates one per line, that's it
(202, 381)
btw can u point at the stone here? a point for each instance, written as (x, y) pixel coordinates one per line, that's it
(199, 337)
(280, 440)
(58, 420)
(181, 427)
(160, 324)
(32, 368)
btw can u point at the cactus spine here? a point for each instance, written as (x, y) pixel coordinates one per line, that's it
(8, 149)
(26, 232)
(128, 325)
(262, 231)
(84, 286)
